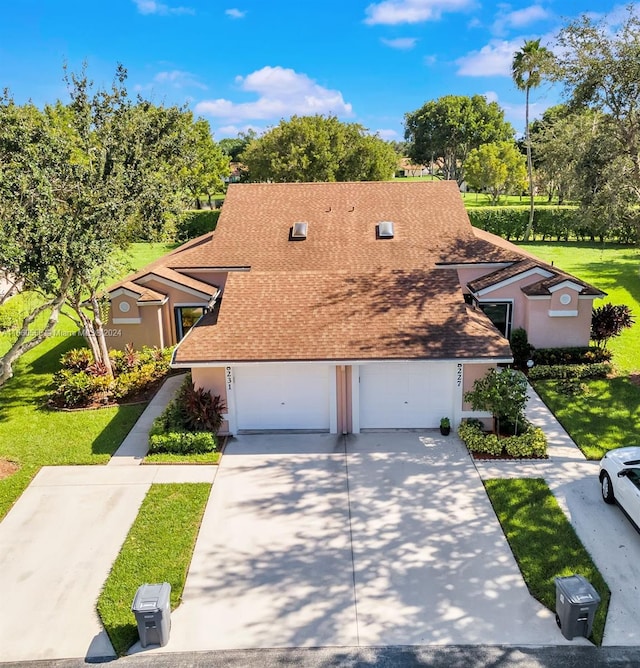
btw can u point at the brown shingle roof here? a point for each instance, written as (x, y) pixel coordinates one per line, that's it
(314, 315)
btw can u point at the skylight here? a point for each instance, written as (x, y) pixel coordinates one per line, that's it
(385, 230)
(299, 231)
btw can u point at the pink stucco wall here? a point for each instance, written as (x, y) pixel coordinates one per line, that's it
(545, 331)
(147, 333)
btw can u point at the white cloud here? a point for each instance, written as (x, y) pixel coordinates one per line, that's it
(402, 43)
(179, 79)
(491, 96)
(235, 13)
(387, 134)
(392, 12)
(430, 60)
(281, 92)
(519, 18)
(153, 7)
(493, 59)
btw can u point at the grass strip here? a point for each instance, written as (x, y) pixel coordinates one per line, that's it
(158, 548)
(544, 543)
(170, 458)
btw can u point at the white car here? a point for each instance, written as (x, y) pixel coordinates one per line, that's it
(620, 480)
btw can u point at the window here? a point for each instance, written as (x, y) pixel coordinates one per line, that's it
(186, 318)
(500, 315)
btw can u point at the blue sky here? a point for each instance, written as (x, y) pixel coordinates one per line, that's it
(248, 63)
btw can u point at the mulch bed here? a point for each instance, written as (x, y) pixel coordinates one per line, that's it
(503, 457)
(139, 398)
(7, 468)
(635, 378)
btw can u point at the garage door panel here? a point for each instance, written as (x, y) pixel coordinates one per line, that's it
(405, 396)
(282, 397)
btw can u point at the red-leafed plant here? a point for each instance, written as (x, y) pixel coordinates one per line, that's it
(608, 321)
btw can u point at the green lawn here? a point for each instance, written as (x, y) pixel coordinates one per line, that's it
(612, 268)
(32, 435)
(544, 543)
(158, 548)
(606, 416)
(474, 200)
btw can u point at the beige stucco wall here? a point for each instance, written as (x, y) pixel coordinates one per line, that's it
(214, 380)
(147, 333)
(217, 278)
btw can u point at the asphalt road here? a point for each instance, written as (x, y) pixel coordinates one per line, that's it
(382, 657)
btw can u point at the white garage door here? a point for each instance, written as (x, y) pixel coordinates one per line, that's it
(412, 395)
(282, 396)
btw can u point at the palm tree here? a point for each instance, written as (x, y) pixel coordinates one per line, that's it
(529, 65)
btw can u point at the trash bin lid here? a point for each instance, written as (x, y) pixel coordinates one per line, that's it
(577, 589)
(151, 597)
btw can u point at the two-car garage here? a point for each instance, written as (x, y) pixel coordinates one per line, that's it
(303, 396)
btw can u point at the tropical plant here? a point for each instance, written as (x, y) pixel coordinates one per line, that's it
(608, 321)
(529, 66)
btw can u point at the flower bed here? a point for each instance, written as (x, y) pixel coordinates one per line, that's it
(83, 383)
(532, 443)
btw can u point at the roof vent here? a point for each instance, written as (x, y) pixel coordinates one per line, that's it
(299, 231)
(384, 230)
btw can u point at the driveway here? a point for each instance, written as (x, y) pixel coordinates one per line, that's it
(375, 539)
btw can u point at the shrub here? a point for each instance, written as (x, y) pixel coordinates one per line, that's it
(77, 388)
(521, 348)
(573, 355)
(196, 223)
(474, 438)
(543, 372)
(77, 359)
(608, 321)
(532, 443)
(11, 315)
(135, 381)
(199, 409)
(183, 442)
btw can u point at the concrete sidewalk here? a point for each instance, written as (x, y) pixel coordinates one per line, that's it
(59, 542)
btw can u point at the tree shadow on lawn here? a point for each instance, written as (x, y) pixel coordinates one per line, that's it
(31, 382)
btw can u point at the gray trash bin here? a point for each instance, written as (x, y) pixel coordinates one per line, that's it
(576, 605)
(152, 609)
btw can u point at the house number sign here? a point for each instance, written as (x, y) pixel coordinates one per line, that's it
(459, 375)
(229, 377)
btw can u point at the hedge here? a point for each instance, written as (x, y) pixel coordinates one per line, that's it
(599, 370)
(559, 222)
(572, 355)
(183, 442)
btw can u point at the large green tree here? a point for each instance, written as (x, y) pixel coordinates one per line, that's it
(600, 69)
(529, 66)
(498, 168)
(78, 181)
(449, 128)
(318, 148)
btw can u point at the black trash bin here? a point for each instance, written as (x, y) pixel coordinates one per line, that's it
(152, 609)
(576, 605)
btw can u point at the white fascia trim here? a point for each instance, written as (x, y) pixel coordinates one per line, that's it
(174, 284)
(563, 314)
(566, 284)
(125, 291)
(204, 365)
(473, 265)
(127, 321)
(536, 271)
(155, 302)
(592, 297)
